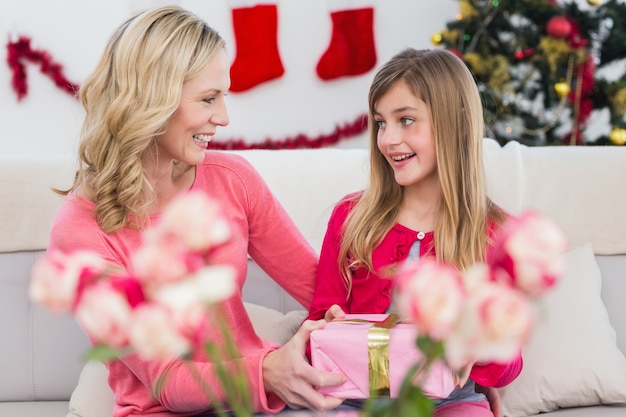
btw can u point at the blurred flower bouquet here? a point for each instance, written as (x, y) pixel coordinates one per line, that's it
(485, 313)
(164, 306)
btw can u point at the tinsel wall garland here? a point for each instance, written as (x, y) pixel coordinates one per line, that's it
(358, 126)
(20, 53)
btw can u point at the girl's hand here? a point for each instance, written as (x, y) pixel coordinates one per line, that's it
(461, 377)
(334, 312)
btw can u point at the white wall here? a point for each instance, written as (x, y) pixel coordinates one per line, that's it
(47, 120)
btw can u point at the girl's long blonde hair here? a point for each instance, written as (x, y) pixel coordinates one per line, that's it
(128, 99)
(445, 84)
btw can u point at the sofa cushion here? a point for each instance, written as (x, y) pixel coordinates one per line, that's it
(92, 396)
(573, 185)
(28, 202)
(572, 358)
(33, 408)
(272, 324)
(41, 350)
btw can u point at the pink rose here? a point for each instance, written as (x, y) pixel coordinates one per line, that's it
(508, 318)
(476, 275)
(196, 219)
(129, 287)
(57, 278)
(160, 259)
(529, 253)
(187, 300)
(430, 294)
(495, 323)
(154, 334)
(104, 313)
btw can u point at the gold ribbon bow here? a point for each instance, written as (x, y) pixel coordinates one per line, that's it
(378, 353)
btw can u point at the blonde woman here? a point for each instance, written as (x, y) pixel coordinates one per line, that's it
(426, 197)
(152, 104)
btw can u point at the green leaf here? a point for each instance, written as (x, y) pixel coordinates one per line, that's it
(231, 374)
(102, 353)
(411, 403)
(431, 348)
(417, 404)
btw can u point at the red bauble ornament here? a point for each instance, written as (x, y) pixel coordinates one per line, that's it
(559, 27)
(456, 52)
(524, 53)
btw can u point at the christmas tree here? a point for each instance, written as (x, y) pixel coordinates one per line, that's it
(538, 66)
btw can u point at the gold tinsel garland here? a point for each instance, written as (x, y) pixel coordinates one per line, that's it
(467, 10)
(554, 51)
(495, 67)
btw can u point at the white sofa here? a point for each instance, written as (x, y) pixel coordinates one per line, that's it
(575, 360)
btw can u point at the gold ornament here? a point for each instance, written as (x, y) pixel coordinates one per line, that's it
(594, 2)
(437, 38)
(467, 10)
(618, 136)
(562, 89)
(619, 102)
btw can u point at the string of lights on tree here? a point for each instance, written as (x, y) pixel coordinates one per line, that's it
(537, 64)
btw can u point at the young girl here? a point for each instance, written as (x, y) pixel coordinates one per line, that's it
(426, 197)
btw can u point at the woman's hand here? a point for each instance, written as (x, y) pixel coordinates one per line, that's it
(334, 312)
(288, 374)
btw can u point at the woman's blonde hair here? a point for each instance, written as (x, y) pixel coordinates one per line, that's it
(445, 84)
(129, 98)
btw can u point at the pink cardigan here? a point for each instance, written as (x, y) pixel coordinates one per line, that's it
(261, 228)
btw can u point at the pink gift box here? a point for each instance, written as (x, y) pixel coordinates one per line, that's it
(342, 347)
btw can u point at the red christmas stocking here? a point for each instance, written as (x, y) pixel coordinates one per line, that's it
(257, 59)
(352, 50)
